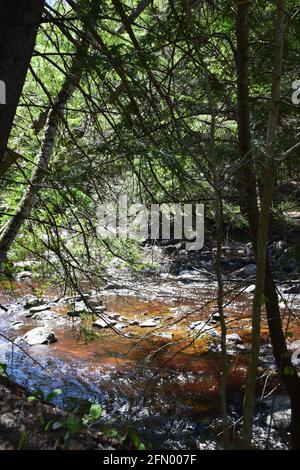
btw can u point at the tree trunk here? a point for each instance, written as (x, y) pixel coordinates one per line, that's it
(19, 22)
(249, 207)
(11, 229)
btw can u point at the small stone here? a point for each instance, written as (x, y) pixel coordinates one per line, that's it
(120, 326)
(100, 308)
(114, 315)
(165, 335)
(112, 286)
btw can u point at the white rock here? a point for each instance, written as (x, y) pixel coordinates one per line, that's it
(39, 308)
(204, 328)
(165, 335)
(120, 326)
(234, 338)
(250, 289)
(24, 275)
(151, 323)
(104, 324)
(280, 419)
(295, 345)
(31, 301)
(39, 335)
(100, 308)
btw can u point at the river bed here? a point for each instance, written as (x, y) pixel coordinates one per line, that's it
(162, 381)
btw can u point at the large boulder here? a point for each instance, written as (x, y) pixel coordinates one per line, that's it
(39, 335)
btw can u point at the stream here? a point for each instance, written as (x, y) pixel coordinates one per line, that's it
(161, 381)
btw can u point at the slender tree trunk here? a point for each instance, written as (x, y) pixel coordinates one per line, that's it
(262, 240)
(12, 227)
(19, 22)
(283, 361)
(217, 187)
(249, 207)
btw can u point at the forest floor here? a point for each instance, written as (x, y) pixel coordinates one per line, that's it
(23, 424)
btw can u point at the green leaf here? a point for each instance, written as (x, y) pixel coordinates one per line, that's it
(38, 393)
(135, 440)
(288, 370)
(22, 440)
(73, 424)
(47, 427)
(55, 393)
(95, 411)
(3, 368)
(31, 398)
(42, 420)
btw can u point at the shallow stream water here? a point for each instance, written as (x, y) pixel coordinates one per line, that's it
(163, 382)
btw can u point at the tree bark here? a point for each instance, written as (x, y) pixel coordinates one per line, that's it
(249, 207)
(19, 22)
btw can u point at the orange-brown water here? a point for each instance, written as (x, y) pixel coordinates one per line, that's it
(139, 375)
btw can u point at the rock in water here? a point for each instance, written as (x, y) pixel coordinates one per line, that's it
(149, 323)
(280, 419)
(293, 290)
(31, 301)
(39, 335)
(104, 324)
(204, 328)
(246, 271)
(217, 316)
(39, 308)
(234, 338)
